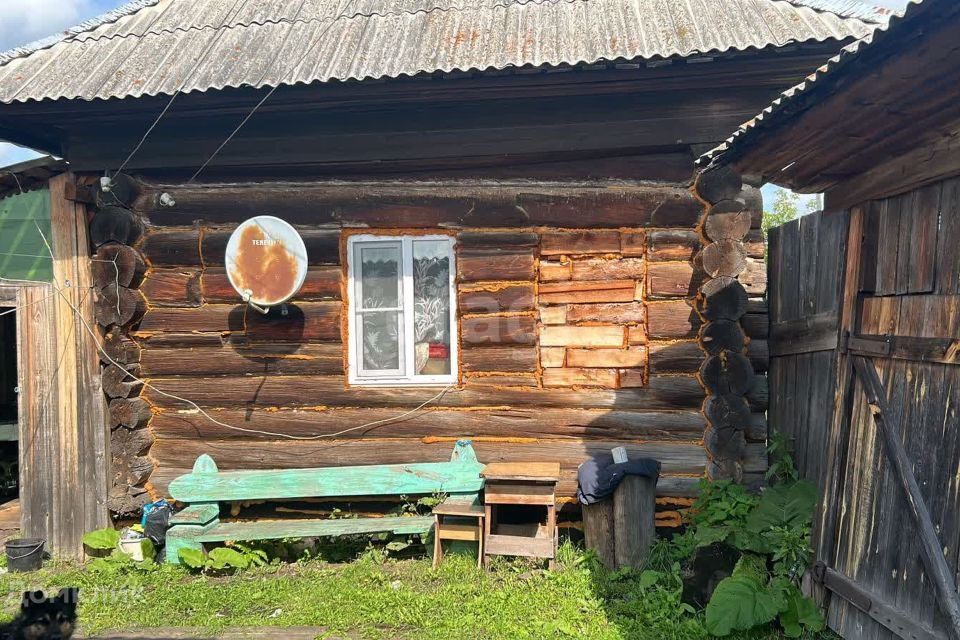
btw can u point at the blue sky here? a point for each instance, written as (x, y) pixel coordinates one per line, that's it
(23, 21)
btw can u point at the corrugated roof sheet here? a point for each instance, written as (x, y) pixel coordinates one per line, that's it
(850, 9)
(154, 47)
(777, 113)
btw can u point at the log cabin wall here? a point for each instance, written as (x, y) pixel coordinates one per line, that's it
(576, 325)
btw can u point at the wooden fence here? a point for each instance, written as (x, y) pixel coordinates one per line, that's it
(865, 319)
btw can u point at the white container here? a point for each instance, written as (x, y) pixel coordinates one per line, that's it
(133, 548)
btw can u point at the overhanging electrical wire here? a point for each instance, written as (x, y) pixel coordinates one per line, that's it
(306, 51)
(234, 11)
(146, 383)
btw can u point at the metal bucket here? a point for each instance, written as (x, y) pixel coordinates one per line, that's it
(24, 554)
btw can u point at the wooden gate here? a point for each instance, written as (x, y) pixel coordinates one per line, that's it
(865, 319)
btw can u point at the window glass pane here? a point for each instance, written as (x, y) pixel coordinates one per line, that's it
(379, 273)
(381, 340)
(431, 307)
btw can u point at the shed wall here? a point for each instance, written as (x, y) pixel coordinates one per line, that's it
(576, 328)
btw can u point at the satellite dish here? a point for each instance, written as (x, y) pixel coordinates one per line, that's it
(266, 261)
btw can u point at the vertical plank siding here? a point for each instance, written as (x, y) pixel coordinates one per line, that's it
(63, 440)
(901, 281)
(570, 343)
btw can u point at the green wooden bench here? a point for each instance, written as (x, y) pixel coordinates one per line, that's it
(206, 486)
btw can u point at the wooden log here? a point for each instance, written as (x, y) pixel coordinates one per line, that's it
(172, 247)
(633, 243)
(118, 346)
(321, 283)
(498, 380)
(673, 279)
(725, 443)
(582, 292)
(634, 530)
(308, 321)
(718, 183)
(323, 246)
(722, 335)
(588, 336)
(119, 264)
(724, 258)
(117, 382)
(493, 264)
(172, 288)
(579, 242)
(118, 306)
(128, 443)
(491, 330)
(617, 313)
(673, 393)
(727, 372)
(673, 319)
(131, 413)
(123, 191)
(512, 298)
(675, 457)
(496, 241)
(636, 334)
(585, 424)
(672, 245)
(758, 351)
(682, 357)
(722, 299)
(598, 531)
(727, 221)
(386, 205)
(616, 269)
(502, 359)
(727, 411)
(756, 325)
(114, 224)
(245, 359)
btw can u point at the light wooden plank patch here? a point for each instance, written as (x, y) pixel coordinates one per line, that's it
(582, 336)
(580, 377)
(619, 358)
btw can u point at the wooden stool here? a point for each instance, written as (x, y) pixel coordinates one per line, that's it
(458, 518)
(520, 483)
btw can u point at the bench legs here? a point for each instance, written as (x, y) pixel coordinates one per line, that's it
(182, 536)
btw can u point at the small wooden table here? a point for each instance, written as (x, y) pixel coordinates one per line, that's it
(458, 518)
(520, 483)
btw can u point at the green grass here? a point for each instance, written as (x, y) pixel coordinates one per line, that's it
(373, 597)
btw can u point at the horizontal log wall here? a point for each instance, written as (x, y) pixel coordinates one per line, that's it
(576, 323)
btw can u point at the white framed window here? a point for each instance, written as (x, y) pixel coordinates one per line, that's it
(402, 308)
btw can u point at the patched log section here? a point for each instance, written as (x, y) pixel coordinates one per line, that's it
(722, 301)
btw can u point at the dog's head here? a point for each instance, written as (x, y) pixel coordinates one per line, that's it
(43, 618)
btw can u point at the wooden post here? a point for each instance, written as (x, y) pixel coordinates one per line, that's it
(634, 507)
(64, 444)
(621, 529)
(598, 531)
